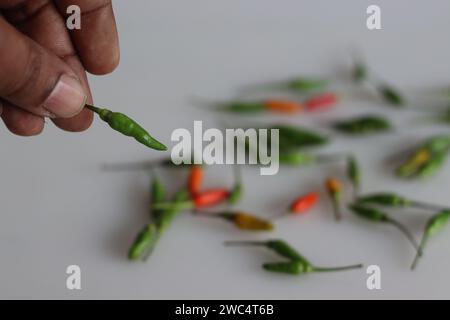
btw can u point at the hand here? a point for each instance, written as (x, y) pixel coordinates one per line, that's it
(43, 64)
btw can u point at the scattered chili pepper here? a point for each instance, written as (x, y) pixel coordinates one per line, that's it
(426, 159)
(283, 106)
(157, 196)
(354, 174)
(202, 199)
(435, 224)
(243, 107)
(379, 216)
(295, 137)
(195, 179)
(363, 125)
(236, 193)
(391, 95)
(306, 84)
(321, 101)
(143, 243)
(359, 72)
(125, 125)
(299, 267)
(304, 203)
(298, 264)
(279, 246)
(394, 200)
(242, 220)
(334, 188)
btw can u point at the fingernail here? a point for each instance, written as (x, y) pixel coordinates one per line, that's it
(66, 99)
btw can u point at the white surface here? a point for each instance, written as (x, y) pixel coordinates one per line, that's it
(58, 207)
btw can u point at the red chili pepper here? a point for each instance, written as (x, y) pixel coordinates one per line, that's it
(195, 179)
(210, 197)
(321, 101)
(304, 203)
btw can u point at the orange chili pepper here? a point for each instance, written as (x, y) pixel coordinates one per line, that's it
(283, 106)
(334, 188)
(304, 203)
(195, 179)
(321, 101)
(210, 197)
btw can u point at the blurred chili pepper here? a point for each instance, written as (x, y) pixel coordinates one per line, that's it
(321, 101)
(195, 179)
(434, 225)
(236, 193)
(242, 220)
(283, 106)
(363, 125)
(354, 174)
(202, 199)
(334, 188)
(304, 203)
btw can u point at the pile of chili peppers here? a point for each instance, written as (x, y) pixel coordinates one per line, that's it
(295, 145)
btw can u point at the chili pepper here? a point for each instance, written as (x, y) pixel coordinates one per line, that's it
(291, 137)
(391, 95)
(236, 192)
(321, 101)
(244, 221)
(304, 203)
(296, 158)
(299, 267)
(434, 225)
(125, 125)
(243, 107)
(379, 216)
(144, 242)
(305, 84)
(157, 196)
(334, 189)
(202, 199)
(279, 246)
(298, 264)
(427, 158)
(395, 200)
(363, 125)
(195, 179)
(171, 212)
(354, 174)
(359, 72)
(283, 106)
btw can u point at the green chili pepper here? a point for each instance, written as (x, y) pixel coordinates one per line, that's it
(172, 211)
(157, 196)
(298, 137)
(299, 267)
(434, 225)
(296, 158)
(363, 125)
(279, 246)
(426, 159)
(243, 107)
(359, 72)
(379, 216)
(236, 193)
(391, 95)
(143, 243)
(125, 125)
(394, 200)
(354, 174)
(306, 84)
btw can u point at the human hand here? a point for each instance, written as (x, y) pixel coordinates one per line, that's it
(43, 64)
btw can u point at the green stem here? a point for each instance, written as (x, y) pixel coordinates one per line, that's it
(421, 246)
(425, 206)
(244, 243)
(407, 234)
(336, 209)
(343, 268)
(168, 205)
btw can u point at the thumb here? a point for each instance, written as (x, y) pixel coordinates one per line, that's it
(36, 80)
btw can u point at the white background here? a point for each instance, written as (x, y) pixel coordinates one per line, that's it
(59, 208)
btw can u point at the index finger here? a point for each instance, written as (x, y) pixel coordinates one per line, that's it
(96, 42)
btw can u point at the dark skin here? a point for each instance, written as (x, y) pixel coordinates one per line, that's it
(36, 48)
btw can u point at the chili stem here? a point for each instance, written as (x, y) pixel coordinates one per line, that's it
(425, 206)
(407, 234)
(168, 205)
(336, 209)
(354, 266)
(421, 246)
(244, 243)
